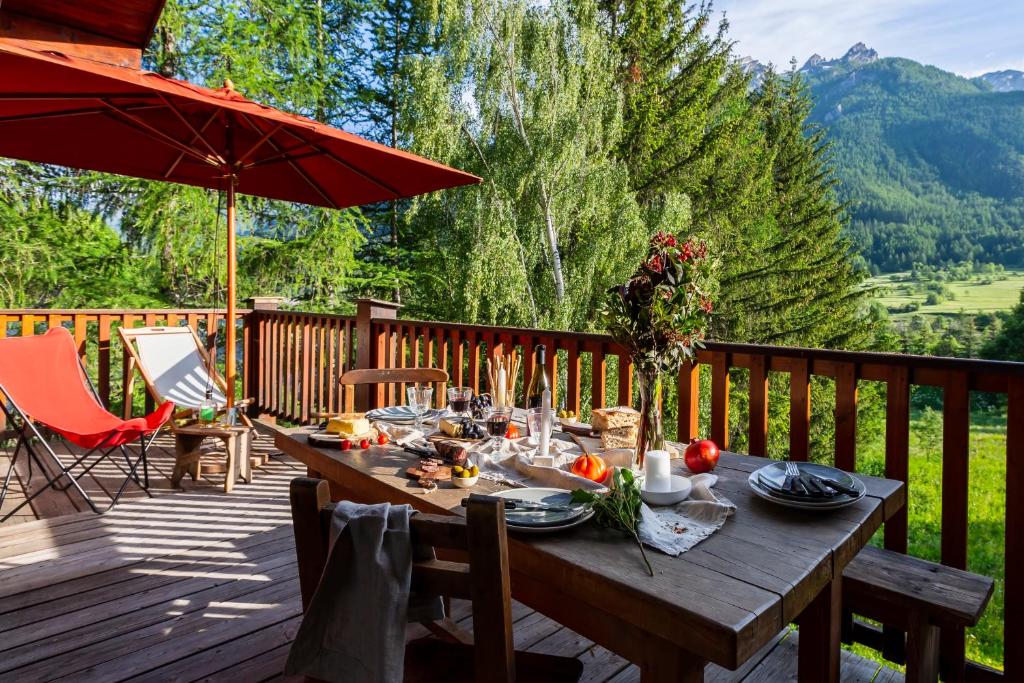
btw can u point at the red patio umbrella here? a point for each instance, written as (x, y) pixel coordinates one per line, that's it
(77, 112)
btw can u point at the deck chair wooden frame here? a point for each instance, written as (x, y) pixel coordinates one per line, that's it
(385, 377)
(188, 435)
(489, 654)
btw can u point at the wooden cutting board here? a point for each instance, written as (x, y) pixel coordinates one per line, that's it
(443, 473)
(325, 440)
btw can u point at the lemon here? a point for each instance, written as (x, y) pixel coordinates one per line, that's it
(457, 469)
(474, 471)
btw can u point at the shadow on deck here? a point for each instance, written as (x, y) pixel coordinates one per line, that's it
(201, 585)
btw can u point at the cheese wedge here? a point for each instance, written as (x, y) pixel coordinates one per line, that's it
(348, 425)
(450, 427)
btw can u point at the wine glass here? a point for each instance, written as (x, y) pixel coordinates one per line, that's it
(419, 401)
(459, 399)
(497, 422)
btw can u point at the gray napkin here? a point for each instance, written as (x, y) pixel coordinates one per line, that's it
(677, 528)
(354, 629)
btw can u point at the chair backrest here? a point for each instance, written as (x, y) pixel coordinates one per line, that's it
(385, 377)
(484, 580)
(173, 364)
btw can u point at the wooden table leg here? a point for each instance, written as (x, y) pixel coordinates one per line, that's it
(665, 663)
(231, 472)
(820, 630)
(244, 461)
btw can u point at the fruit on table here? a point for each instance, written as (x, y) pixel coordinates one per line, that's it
(346, 445)
(365, 443)
(590, 467)
(382, 439)
(701, 456)
(567, 414)
(480, 405)
(512, 432)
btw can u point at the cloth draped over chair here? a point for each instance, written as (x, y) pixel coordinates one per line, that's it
(177, 369)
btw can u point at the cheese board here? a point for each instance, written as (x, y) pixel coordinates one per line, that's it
(324, 439)
(442, 473)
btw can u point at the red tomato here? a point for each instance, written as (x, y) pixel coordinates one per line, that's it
(346, 445)
(701, 456)
(591, 467)
(382, 439)
(365, 443)
(512, 432)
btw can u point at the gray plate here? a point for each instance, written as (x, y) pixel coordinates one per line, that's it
(772, 474)
(541, 521)
(400, 415)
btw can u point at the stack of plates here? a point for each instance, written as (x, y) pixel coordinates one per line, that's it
(544, 521)
(401, 415)
(768, 483)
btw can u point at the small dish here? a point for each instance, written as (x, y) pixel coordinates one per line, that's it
(464, 482)
(681, 488)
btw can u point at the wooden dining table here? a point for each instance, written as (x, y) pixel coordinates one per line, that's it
(721, 601)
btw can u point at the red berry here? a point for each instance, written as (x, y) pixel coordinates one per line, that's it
(365, 443)
(382, 439)
(346, 445)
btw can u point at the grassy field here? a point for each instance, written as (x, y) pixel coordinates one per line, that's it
(896, 290)
(986, 508)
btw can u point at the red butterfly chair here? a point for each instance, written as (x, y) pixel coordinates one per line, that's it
(43, 381)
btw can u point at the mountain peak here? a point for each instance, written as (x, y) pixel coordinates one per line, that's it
(860, 54)
(1008, 80)
(813, 61)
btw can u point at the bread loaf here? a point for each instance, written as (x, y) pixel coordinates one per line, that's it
(619, 437)
(614, 418)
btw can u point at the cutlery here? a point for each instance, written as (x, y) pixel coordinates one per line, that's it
(532, 506)
(842, 488)
(816, 487)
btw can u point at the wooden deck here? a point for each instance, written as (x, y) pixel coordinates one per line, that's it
(201, 585)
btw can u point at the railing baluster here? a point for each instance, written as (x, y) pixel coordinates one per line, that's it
(473, 348)
(625, 380)
(441, 394)
(688, 419)
(799, 409)
(598, 376)
(897, 466)
(846, 417)
(1013, 596)
(757, 433)
(458, 358)
(572, 376)
(720, 399)
(103, 359)
(307, 365)
(956, 420)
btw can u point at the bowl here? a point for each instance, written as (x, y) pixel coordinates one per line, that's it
(681, 488)
(464, 482)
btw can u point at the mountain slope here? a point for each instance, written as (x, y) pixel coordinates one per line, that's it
(931, 164)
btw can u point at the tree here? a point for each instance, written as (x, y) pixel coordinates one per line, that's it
(525, 96)
(1008, 344)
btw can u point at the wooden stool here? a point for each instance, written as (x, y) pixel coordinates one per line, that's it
(187, 455)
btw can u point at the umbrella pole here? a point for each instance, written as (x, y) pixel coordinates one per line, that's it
(229, 352)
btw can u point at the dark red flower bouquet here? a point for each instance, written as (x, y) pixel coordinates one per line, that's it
(660, 316)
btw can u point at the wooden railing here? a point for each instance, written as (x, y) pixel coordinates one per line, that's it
(99, 345)
(292, 362)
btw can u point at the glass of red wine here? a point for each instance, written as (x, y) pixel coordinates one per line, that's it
(497, 421)
(459, 399)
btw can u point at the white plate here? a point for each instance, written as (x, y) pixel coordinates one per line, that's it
(840, 500)
(538, 521)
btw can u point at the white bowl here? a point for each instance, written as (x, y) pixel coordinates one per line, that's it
(681, 488)
(464, 482)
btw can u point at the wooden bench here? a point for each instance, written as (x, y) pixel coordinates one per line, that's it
(916, 596)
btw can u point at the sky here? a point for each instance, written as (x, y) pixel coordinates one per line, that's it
(968, 37)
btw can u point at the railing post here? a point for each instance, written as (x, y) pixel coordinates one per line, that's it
(257, 352)
(370, 343)
(1013, 601)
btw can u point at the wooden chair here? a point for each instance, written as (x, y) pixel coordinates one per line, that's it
(484, 580)
(388, 377)
(175, 367)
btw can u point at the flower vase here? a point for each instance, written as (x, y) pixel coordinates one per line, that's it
(652, 435)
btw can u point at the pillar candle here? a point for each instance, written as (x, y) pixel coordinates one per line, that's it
(656, 471)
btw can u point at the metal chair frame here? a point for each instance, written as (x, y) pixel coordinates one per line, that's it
(29, 431)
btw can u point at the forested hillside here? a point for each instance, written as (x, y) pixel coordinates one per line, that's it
(932, 164)
(593, 124)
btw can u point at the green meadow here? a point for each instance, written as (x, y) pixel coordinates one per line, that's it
(976, 295)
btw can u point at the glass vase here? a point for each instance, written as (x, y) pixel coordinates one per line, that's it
(652, 435)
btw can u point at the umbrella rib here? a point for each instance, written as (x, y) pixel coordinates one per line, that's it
(197, 135)
(259, 143)
(283, 156)
(298, 169)
(159, 135)
(66, 112)
(181, 155)
(346, 164)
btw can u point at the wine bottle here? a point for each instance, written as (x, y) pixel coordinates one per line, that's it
(539, 380)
